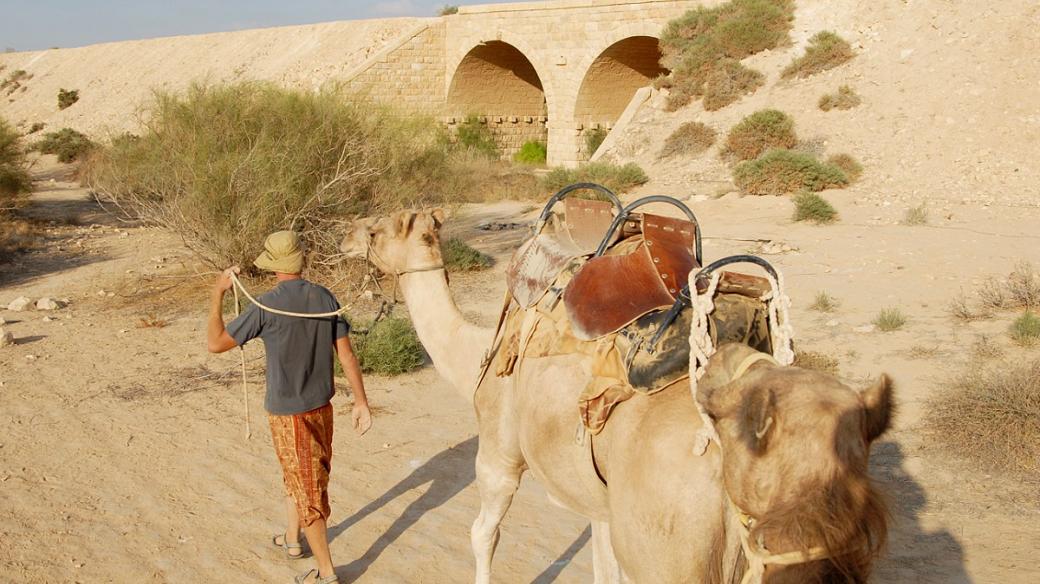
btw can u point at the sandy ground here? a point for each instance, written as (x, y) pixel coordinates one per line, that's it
(122, 448)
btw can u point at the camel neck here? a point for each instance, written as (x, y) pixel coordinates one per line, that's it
(456, 346)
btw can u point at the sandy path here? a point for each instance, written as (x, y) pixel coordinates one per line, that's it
(118, 463)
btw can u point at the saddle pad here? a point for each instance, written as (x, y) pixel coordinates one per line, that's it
(536, 264)
(586, 222)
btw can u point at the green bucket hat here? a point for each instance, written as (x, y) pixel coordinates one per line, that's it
(283, 253)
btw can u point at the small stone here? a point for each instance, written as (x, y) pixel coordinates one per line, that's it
(110, 294)
(47, 319)
(833, 322)
(47, 303)
(19, 304)
(6, 338)
(100, 292)
(867, 328)
(3, 321)
(30, 357)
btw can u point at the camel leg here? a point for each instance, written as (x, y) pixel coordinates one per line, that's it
(497, 482)
(605, 568)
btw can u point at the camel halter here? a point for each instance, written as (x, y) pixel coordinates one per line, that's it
(758, 557)
(370, 252)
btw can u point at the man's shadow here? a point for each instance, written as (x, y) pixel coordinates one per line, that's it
(913, 554)
(447, 473)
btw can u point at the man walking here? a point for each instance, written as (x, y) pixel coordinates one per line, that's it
(299, 388)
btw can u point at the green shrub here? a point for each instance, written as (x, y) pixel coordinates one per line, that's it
(14, 173)
(990, 415)
(848, 165)
(67, 97)
(689, 139)
(814, 208)
(779, 172)
(476, 136)
(447, 10)
(459, 256)
(594, 139)
(703, 48)
(759, 132)
(890, 319)
(36, 127)
(916, 216)
(614, 177)
(224, 166)
(845, 98)
(533, 152)
(826, 50)
(14, 81)
(1026, 329)
(388, 347)
(68, 144)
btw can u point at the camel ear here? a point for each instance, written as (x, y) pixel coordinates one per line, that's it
(759, 418)
(366, 223)
(438, 217)
(877, 407)
(403, 222)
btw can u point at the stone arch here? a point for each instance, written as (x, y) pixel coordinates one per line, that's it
(497, 82)
(613, 78)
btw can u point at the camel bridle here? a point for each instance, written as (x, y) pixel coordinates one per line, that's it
(370, 252)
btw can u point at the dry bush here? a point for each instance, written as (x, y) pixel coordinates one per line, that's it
(225, 166)
(689, 139)
(985, 348)
(813, 208)
(961, 308)
(848, 165)
(816, 361)
(990, 414)
(845, 98)
(826, 50)
(16, 236)
(824, 302)
(922, 352)
(15, 180)
(703, 47)
(14, 81)
(992, 296)
(760, 132)
(152, 321)
(915, 216)
(1023, 286)
(780, 172)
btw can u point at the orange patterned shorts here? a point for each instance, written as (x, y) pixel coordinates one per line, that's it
(303, 443)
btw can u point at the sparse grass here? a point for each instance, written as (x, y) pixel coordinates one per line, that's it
(594, 138)
(616, 178)
(388, 347)
(824, 302)
(14, 174)
(816, 361)
(476, 136)
(459, 256)
(845, 98)
(703, 49)
(68, 144)
(759, 132)
(14, 81)
(1025, 330)
(986, 348)
(152, 321)
(990, 415)
(826, 50)
(915, 216)
(922, 352)
(780, 172)
(689, 139)
(848, 165)
(890, 319)
(533, 152)
(813, 208)
(961, 309)
(67, 97)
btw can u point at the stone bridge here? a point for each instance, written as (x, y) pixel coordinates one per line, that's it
(548, 71)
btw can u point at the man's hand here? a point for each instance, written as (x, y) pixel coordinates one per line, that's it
(362, 419)
(224, 282)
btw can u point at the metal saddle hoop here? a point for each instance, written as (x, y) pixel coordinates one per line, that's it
(613, 290)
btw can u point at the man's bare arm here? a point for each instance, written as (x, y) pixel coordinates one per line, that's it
(362, 416)
(217, 338)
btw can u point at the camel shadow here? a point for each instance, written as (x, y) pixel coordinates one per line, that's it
(447, 473)
(551, 573)
(914, 554)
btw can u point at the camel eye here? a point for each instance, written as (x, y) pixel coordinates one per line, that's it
(427, 239)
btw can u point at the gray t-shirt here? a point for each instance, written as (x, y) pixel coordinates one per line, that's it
(299, 350)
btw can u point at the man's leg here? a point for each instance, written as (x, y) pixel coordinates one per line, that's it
(318, 539)
(292, 525)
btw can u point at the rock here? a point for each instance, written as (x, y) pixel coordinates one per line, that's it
(19, 304)
(6, 338)
(867, 328)
(47, 319)
(47, 303)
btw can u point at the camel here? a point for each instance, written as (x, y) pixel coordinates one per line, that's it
(781, 496)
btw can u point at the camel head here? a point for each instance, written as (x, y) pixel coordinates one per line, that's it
(402, 242)
(795, 445)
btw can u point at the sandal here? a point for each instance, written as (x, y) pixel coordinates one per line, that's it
(305, 578)
(293, 551)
